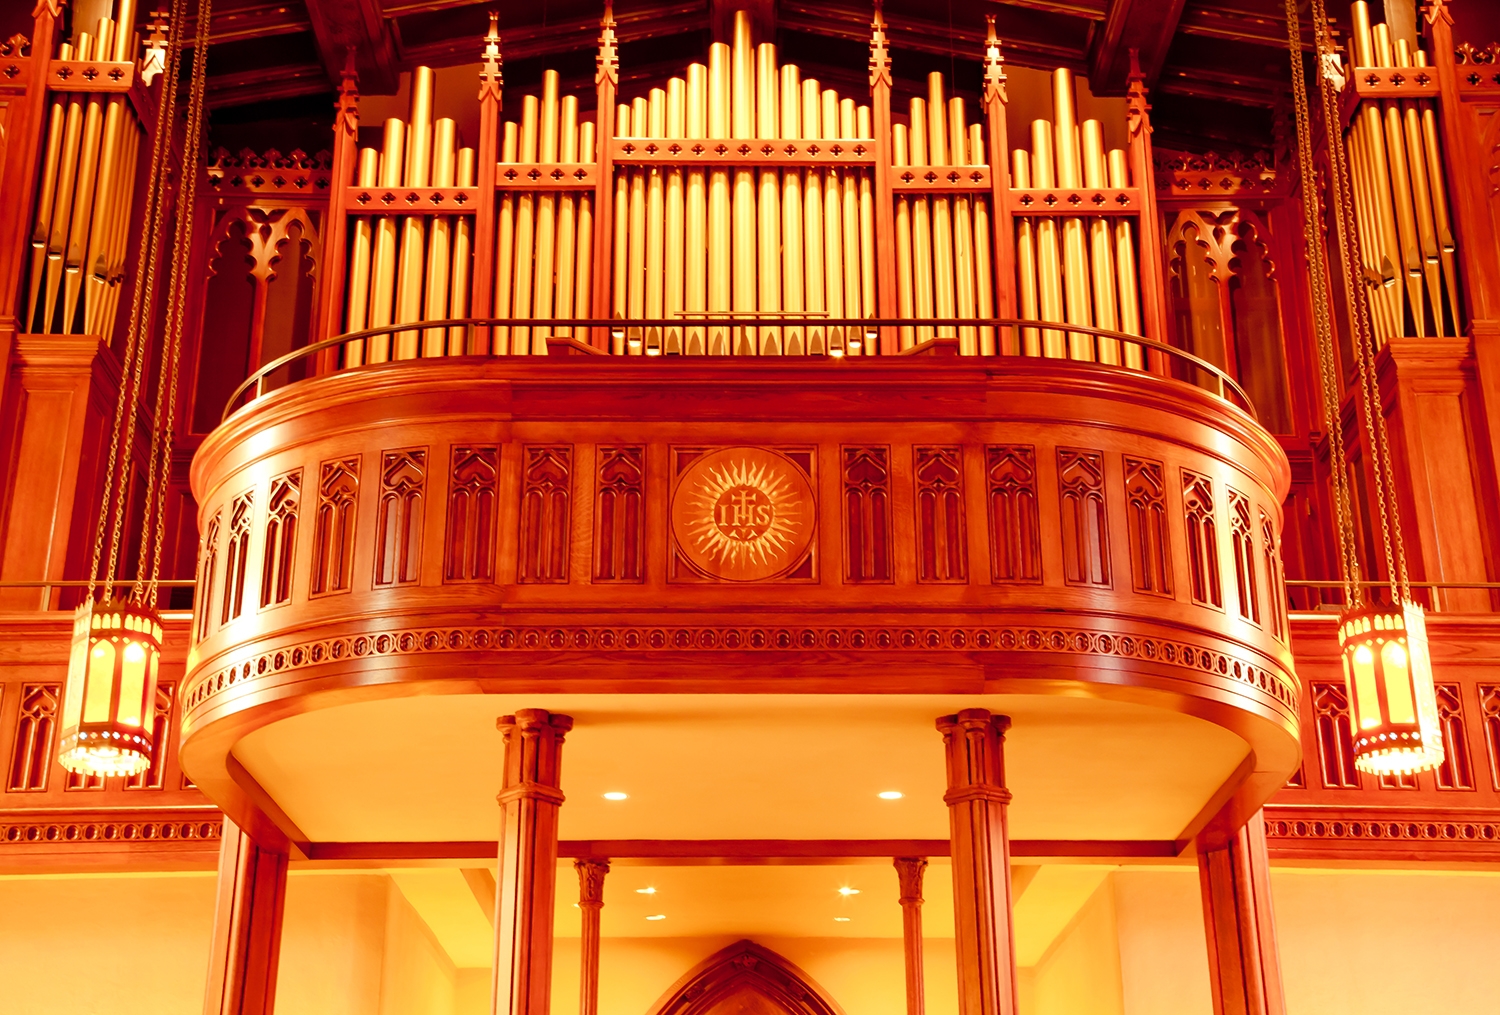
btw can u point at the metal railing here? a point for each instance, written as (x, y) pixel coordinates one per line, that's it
(1157, 357)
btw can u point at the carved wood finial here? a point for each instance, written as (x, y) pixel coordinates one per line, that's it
(880, 53)
(1137, 109)
(154, 49)
(909, 871)
(490, 77)
(51, 8)
(591, 873)
(346, 106)
(994, 63)
(1437, 10)
(608, 61)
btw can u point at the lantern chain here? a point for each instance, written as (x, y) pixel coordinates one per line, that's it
(1349, 566)
(158, 479)
(112, 504)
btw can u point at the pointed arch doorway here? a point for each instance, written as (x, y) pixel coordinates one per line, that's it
(746, 979)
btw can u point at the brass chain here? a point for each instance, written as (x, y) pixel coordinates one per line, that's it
(112, 502)
(1312, 217)
(1362, 333)
(153, 533)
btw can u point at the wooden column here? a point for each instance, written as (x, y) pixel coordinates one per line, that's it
(1242, 960)
(247, 927)
(885, 213)
(1004, 227)
(909, 870)
(977, 798)
(529, 801)
(606, 81)
(590, 900)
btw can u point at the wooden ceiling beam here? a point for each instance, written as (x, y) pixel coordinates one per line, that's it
(360, 26)
(1229, 24)
(1143, 26)
(259, 21)
(264, 84)
(526, 41)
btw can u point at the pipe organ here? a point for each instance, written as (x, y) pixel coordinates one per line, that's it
(744, 210)
(1406, 246)
(80, 231)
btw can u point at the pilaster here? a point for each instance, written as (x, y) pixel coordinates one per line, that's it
(1243, 964)
(247, 927)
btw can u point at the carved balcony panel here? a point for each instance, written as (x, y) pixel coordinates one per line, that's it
(918, 526)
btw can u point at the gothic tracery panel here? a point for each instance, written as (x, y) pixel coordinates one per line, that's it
(280, 548)
(619, 514)
(36, 734)
(1202, 539)
(942, 533)
(1456, 771)
(1015, 538)
(1242, 543)
(398, 525)
(867, 514)
(1085, 528)
(237, 556)
(1335, 736)
(333, 530)
(546, 513)
(1150, 546)
(473, 492)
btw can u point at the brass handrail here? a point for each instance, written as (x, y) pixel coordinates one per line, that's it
(1227, 388)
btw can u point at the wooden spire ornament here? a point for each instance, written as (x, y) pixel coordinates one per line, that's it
(110, 695)
(1387, 667)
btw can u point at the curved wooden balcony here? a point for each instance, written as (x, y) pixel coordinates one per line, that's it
(946, 525)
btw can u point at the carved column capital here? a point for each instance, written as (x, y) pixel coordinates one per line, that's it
(533, 752)
(591, 873)
(909, 871)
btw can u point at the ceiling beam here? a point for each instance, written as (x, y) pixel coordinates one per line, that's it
(1143, 26)
(360, 26)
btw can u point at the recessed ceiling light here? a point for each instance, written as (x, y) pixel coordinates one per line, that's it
(890, 794)
(615, 794)
(658, 916)
(840, 919)
(645, 891)
(848, 891)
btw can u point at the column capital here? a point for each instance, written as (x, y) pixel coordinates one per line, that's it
(591, 871)
(909, 871)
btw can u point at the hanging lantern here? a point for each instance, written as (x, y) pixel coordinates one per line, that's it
(1392, 702)
(109, 704)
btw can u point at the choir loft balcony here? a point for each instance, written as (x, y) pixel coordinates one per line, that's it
(1092, 547)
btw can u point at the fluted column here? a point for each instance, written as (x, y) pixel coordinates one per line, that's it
(909, 870)
(529, 800)
(246, 945)
(590, 900)
(1243, 962)
(977, 798)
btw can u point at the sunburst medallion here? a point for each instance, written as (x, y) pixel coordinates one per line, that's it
(743, 514)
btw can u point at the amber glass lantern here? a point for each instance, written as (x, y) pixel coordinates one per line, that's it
(109, 704)
(1392, 702)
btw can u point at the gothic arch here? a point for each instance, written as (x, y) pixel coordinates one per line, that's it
(745, 979)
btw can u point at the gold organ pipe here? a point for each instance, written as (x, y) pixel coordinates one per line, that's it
(1049, 267)
(866, 226)
(720, 230)
(357, 313)
(1385, 301)
(1446, 246)
(505, 240)
(792, 262)
(742, 110)
(695, 239)
(1126, 279)
(584, 275)
(1422, 198)
(112, 188)
(1075, 254)
(673, 263)
(833, 228)
(1101, 253)
(122, 227)
(567, 205)
(942, 208)
(414, 227)
(521, 341)
(635, 250)
(812, 222)
(102, 282)
(768, 202)
(655, 211)
(963, 230)
(1026, 259)
(89, 180)
(57, 242)
(440, 240)
(51, 170)
(853, 337)
(544, 273)
(621, 258)
(1401, 190)
(921, 223)
(1377, 170)
(458, 302)
(905, 297)
(383, 255)
(984, 290)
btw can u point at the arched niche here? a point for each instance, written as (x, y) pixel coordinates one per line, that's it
(745, 979)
